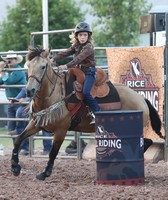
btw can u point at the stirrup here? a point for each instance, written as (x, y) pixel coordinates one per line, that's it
(92, 115)
(93, 121)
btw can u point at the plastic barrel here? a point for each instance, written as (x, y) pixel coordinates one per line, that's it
(120, 147)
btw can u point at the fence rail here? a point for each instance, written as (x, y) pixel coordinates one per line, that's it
(78, 136)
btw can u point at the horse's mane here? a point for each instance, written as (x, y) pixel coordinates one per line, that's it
(34, 52)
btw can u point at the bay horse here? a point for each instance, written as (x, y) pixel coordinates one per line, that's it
(49, 108)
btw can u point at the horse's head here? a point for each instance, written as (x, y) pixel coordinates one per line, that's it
(37, 62)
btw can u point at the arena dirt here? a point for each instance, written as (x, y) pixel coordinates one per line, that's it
(74, 180)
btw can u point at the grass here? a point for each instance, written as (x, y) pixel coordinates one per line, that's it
(8, 142)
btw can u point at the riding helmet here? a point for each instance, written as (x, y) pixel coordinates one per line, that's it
(83, 27)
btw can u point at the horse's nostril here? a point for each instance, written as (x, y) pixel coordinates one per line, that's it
(30, 93)
(33, 91)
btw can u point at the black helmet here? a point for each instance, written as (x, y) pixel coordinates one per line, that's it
(83, 27)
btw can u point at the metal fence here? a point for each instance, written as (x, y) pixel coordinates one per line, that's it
(78, 136)
(70, 136)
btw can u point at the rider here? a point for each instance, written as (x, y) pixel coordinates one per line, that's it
(83, 51)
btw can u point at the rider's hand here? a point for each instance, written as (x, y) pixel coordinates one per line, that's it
(61, 68)
(22, 100)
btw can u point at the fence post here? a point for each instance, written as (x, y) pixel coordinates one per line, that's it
(166, 90)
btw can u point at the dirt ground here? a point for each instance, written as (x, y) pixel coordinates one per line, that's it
(74, 180)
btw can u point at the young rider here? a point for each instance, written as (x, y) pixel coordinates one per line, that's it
(83, 51)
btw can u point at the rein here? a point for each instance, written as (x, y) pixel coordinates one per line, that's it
(41, 80)
(55, 111)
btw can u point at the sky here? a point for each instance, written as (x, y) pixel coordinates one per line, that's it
(156, 2)
(4, 3)
(163, 4)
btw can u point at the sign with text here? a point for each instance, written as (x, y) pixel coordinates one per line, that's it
(141, 69)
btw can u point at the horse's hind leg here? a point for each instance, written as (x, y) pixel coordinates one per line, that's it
(147, 143)
(57, 142)
(30, 130)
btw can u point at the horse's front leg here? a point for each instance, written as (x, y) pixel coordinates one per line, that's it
(57, 142)
(29, 130)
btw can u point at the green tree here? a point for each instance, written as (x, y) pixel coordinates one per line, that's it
(117, 21)
(26, 17)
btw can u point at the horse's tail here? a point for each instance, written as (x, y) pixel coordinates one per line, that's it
(154, 118)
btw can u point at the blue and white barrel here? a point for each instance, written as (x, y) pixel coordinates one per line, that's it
(120, 147)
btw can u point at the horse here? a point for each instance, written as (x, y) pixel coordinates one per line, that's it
(49, 110)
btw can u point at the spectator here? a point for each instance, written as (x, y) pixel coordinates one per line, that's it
(12, 78)
(21, 125)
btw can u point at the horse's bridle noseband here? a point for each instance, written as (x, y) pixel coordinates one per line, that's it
(41, 80)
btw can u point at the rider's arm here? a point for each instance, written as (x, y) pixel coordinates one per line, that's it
(86, 56)
(64, 54)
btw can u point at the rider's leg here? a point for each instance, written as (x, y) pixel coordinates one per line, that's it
(88, 99)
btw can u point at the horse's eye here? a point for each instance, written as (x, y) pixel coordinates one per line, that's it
(43, 67)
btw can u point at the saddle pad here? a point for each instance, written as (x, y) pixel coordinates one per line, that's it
(111, 97)
(110, 101)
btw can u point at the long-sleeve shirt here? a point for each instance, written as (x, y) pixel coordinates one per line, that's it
(83, 55)
(13, 78)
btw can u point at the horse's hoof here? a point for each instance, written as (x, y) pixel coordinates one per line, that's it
(41, 176)
(16, 170)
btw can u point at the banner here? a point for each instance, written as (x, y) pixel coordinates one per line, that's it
(141, 69)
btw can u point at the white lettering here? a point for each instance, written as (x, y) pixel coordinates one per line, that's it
(137, 84)
(115, 143)
(141, 142)
(152, 96)
(101, 136)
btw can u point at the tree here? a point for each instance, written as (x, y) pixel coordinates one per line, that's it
(117, 21)
(26, 17)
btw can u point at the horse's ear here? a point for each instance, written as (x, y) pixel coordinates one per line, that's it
(48, 50)
(45, 53)
(26, 58)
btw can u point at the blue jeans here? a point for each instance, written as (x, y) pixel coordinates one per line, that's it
(20, 126)
(89, 80)
(47, 144)
(16, 111)
(11, 113)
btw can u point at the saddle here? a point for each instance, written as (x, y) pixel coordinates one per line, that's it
(104, 91)
(99, 88)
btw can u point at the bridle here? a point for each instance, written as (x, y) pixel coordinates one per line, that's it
(40, 81)
(46, 115)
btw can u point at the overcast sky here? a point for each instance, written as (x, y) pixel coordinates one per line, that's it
(4, 3)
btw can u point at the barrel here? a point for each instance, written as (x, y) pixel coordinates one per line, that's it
(120, 147)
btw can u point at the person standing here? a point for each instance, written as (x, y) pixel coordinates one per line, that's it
(21, 125)
(14, 77)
